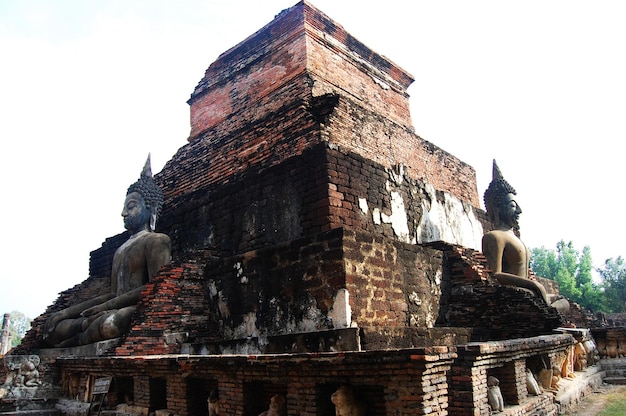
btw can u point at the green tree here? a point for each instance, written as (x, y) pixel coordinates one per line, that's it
(591, 294)
(543, 262)
(613, 274)
(18, 325)
(571, 270)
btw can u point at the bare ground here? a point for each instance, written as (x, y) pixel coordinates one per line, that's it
(595, 402)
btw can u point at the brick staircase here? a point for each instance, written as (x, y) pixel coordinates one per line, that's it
(615, 370)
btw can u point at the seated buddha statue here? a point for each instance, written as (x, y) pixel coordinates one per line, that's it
(506, 254)
(135, 263)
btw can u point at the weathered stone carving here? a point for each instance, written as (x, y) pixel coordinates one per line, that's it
(611, 348)
(494, 395)
(567, 365)
(550, 378)
(506, 254)
(213, 403)
(346, 404)
(23, 376)
(135, 263)
(531, 384)
(277, 407)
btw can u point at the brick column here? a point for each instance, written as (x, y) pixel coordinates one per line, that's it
(520, 380)
(177, 395)
(142, 391)
(468, 391)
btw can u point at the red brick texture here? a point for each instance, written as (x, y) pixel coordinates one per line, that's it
(494, 312)
(406, 382)
(507, 361)
(297, 82)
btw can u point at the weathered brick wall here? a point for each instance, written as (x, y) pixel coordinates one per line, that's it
(224, 152)
(361, 130)
(261, 69)
(173, 306)
(291, 288)
(494, 311)
(337, 59)
(578, 316)
(392, 284)
(255, 77)
(325, 187)
(259, 209)
(507, 361)
(406, 382)
(285, 288)
(502, 312)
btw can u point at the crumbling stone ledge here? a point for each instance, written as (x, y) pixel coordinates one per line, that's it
(399, 382)
(507, 360)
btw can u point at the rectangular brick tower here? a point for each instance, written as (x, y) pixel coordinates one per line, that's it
(299, 85)
(304, 176)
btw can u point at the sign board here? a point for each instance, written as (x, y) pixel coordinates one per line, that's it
(101, 385)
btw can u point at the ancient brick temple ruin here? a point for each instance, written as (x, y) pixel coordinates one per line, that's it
(317, 242)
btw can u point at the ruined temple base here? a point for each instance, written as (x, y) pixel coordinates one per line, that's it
(572, 391)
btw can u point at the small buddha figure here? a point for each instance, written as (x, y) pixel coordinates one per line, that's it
(135, 263)
(346, 403)
(531, 384)
(494, 395)
(213, 403)
(277, 406)
(506, 254)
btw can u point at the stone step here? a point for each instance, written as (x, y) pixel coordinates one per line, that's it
(616, 373)
(615, 369)
(615, 380)
(610, 363)
(572, 391)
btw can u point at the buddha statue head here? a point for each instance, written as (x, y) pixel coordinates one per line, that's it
(502, 208)
(143, 202)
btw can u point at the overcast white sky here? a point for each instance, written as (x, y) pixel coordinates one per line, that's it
(88, 88)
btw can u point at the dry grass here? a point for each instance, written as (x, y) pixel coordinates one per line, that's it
(615, 403)
(606, 400)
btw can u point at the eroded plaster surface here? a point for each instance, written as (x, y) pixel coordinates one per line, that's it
(432, 216)
(446, 218)
(341, 313)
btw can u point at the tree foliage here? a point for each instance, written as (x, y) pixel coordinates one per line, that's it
(572, 270)
(613, 274)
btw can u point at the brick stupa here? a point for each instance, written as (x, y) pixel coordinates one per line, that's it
(307, 217)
